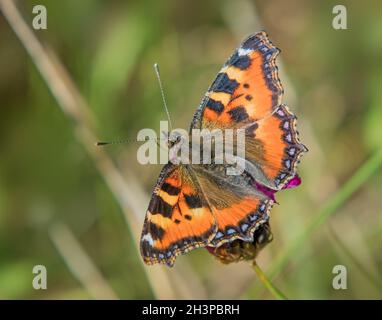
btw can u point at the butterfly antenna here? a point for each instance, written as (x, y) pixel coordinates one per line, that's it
(105, 143)
(156, 68)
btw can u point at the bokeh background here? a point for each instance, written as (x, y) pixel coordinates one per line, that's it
(58, 207)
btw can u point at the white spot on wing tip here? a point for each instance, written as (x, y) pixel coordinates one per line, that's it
(243, 52)
(147, 237)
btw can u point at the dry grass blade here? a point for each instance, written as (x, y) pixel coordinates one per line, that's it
(73, 104)
(80, 264)
(368, 274)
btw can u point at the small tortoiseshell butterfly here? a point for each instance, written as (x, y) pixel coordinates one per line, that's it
(199, 205)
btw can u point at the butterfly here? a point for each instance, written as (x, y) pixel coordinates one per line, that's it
(199, 205)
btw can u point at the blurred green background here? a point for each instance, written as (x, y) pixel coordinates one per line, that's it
(332, 80)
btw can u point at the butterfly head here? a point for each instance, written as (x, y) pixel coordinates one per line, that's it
(175, 141)
(173, 138)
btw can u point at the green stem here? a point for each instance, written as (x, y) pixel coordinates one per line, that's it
(375, 281)
(267, 283)
(339, 198)
(369, 168)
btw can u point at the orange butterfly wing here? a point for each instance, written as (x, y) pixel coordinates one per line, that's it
(240, 220)
(246, 89)
(247, 94)
(238, 207)
(277, 139)
(178, 218)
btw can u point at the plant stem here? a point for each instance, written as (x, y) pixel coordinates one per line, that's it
(267, 283)
(373, 279)
(370, 167)
(334, 203)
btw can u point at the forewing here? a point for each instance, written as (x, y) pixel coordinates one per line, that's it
(246, 89)
(178, 218)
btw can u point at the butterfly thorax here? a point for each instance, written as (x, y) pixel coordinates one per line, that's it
(205, 147)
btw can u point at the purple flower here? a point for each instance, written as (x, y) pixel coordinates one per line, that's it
(270, 193)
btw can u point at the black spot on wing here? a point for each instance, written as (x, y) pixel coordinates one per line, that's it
(224, 84)
(238, 114)
(193, 201)
(250, 130)
(241, 62)
(170, 189)
(156, 231)
(159, 206)
(215, 105)
(146, 248)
